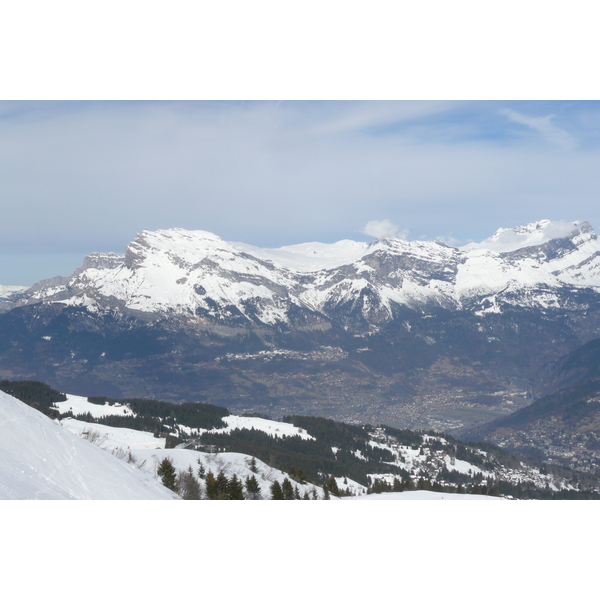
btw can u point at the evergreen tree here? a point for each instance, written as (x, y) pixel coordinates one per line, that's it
(222, 485)
(253, 466)
(332, 486)
(325, 492)
(166, 472)
(276, 491)
(306, 496)
(201, 470)
(212, 492)
(252, 488)
(235, 489)
(287, 489)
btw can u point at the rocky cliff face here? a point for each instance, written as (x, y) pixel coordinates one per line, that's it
(346, 326)
(199, 276)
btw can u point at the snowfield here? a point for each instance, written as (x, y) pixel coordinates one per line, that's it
(113, 438)
(6, 291)
(43, 461)
(80, 405)
(272, 428)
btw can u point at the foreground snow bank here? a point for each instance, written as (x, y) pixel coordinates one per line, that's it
(42, 460)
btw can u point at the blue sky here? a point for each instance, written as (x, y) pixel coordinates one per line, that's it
(82, 176)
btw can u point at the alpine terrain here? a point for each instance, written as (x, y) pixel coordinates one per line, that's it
(62, 446)
(413, 334)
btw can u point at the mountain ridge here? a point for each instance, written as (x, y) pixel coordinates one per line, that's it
(198, 273)
(422, 333)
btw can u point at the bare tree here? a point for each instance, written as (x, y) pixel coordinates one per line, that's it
(188, 486)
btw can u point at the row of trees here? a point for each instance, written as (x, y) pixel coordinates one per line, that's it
(187, 483)
(34, 393)
(287, 491)
(201, 484)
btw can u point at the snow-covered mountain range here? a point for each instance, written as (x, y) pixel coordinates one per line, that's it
(412, 333)
(8, 291)
(200, 277)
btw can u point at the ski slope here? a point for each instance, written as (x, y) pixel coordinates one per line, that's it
(43, 461)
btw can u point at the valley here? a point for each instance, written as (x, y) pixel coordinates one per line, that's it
(416, 335)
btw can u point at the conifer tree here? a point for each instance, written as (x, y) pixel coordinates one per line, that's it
(222, 485)
(253, 466)
(166, 472)
(276, 491)
(212, 492)
(287, 489)
(252, 488)
(235, 490)
(332, 486)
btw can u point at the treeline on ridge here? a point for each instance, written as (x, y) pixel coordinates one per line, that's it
(155, 416)
(36, 394)
(191, 414)
(313, 457)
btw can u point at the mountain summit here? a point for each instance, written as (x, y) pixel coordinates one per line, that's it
(186, 315)
(199, 276)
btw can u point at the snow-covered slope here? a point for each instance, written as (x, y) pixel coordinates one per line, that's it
(42, 460)
(8, 291)
(197, 276)
(79, 405)
(146, 451)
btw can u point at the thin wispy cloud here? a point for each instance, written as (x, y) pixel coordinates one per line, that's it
(357, 117)
(544, 126)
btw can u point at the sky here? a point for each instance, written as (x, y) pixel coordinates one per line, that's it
(84, 176)
(274, 124)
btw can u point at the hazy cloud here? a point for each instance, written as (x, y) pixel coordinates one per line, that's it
(78, 177)
(544, 126)
(383, 230)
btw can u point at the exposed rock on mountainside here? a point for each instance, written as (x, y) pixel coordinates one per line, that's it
(416, 334)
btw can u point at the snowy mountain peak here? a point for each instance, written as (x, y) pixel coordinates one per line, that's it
(204, 279)
(532, 234)
(6, 291)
